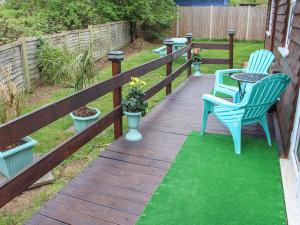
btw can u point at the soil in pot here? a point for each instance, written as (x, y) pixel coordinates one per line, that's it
(84, 112)
(13, 145)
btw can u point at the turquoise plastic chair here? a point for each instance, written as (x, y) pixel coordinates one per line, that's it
(259, 62)
(252, 109)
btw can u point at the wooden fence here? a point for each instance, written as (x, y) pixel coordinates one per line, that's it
(213, 22)
(21, 55)
(31, 122)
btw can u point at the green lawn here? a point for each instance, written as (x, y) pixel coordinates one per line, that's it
(58, 131)
(208, 184)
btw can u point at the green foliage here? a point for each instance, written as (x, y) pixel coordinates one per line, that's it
(258, 2)
(35, 17)
(134, 101)
(82, 68)
(52, 63)
(11, 98)
(151, 15)
(60, 66)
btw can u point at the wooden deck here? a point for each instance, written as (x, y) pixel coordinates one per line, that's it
(115, 188)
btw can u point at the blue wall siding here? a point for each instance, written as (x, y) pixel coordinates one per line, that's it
(201, 2)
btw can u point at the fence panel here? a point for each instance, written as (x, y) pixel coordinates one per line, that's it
(21, 55)
(213, 22)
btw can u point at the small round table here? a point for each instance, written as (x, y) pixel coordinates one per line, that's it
(247, 78)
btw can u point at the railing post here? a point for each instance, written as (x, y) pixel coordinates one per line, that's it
(231, 33)
(169, 43)
(189, 37)
(116, 57)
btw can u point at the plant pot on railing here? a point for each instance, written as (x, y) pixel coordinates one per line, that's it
(133, 133)
(17, 155)
(197, 61)
(134, 107)
(84, 117)
(196, 66)
(13, 160)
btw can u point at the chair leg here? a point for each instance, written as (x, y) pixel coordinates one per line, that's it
(236, 97)
(264, 123)
(235, 130)
(215, 91)
(206, 111)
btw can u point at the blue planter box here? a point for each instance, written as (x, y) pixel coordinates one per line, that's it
(80, 123)
(14, 160)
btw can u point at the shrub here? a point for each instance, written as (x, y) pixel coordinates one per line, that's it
(53, 63)
(82, 68)
(32, 17)
(60, 66)
(10, 97)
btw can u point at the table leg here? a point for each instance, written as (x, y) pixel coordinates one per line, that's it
(240, 90)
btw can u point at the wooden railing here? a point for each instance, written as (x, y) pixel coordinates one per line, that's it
(31, 122)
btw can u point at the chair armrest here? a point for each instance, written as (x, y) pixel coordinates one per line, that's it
(220, 73)
(219, 101)
(231, 71)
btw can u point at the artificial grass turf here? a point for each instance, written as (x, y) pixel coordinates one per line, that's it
(209, 184)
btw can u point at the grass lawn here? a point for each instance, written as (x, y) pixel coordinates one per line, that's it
(21, 208)
(208, 184)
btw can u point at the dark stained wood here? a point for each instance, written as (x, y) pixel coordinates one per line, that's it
(110, 190)
(169, 69)
(115, 188)
(39, 219)
(69, 216)
(189, 55)
(290, 65)
(124, 205)
(92, 209)
(231, 35)
(29, 175)
(117, 98)
(274, 26)
(156, 88)
(211, 46)
(31, 122)
(163, 165)
(215, 61)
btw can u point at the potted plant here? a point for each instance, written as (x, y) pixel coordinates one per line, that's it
(17, 155)
(82, 70)
(134, 107)
(196, 61)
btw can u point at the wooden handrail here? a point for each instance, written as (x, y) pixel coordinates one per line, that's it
(31, 122)
(32, 173)
(211, 46)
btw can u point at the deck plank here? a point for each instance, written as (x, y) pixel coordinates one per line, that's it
(115, 188)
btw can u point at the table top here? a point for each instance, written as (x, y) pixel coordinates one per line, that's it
(248, 77)
(179, 41)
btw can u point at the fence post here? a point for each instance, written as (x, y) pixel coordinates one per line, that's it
(211, 21)
(90, 27)
(169, 43)
(177, 22)
(116, 57)
(189, 37)
(248, 22)
(79, 40)
(231, 34)
(25, 65)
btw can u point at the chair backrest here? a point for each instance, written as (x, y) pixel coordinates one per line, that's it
(263, 94)
(260, 61)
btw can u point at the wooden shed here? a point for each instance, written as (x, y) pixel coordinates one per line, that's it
(283, 39)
